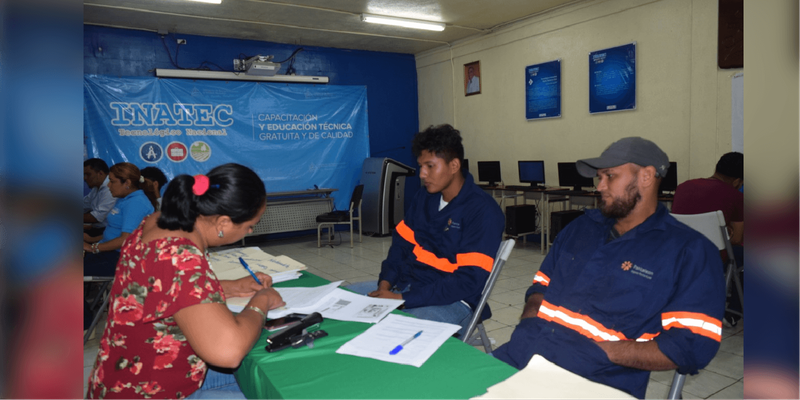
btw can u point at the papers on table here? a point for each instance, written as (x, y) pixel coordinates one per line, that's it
(377, 341)
(542, 379)
(297, 299)
(226, 264)
(343, 305)
(328, 300)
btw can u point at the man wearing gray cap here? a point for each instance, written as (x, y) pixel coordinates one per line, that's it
(625, 289)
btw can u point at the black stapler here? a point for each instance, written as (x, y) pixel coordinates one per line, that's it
(296, 335)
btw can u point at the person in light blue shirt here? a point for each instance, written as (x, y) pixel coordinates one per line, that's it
(102, 252)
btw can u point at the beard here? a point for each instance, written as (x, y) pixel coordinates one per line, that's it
(622, 207)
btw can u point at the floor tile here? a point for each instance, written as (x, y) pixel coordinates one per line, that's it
(734, 391)
(705, 384)
(733, 344)
(727, 364)
(656, 390)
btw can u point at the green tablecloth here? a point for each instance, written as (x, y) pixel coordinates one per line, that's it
(455, 371)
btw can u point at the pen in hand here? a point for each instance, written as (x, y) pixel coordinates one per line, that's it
(400, 346)
(247, 267)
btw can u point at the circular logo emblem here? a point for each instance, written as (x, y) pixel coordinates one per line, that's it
(177, 151)
(151, 152)
(200, 151)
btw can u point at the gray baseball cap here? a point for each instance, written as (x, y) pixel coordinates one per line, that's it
(634, 149)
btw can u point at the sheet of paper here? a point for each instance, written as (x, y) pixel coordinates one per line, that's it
(551, 382)
(226, 263)
(377, 341)
(344, 305)
(298, 299)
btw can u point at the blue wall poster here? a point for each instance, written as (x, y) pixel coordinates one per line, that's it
(543, 90)
(294, 137)
(612, 79)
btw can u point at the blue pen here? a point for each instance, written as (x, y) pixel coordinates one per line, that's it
(400, 346)
(247, 267)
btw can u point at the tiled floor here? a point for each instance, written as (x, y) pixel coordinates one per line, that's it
(721, 379)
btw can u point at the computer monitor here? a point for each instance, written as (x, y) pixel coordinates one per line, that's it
(568, 176)
(669, 182)
(464, 167)
(531, 172)
(489, 171)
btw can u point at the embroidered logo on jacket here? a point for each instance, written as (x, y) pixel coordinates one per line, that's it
(451, 224)
(637, 270)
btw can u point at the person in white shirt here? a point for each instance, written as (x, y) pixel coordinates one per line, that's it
(99, 201)
(474, 83)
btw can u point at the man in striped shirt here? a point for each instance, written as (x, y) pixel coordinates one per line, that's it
(625, 289)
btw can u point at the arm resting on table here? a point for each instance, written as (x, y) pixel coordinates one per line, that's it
(218, 336)
(641, 355)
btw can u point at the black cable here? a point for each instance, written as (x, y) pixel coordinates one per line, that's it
(299, 49)
(164, 42)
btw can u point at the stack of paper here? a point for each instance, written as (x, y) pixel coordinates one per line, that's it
(542, 379)
(380, 339)
(328, 300)
(226, 264)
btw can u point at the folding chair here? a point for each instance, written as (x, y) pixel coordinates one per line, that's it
(480, 337)
(100, 299)
(712, 225)
(676, 389)
(342, 217)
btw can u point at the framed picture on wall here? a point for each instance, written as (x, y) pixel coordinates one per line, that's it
(612, 79)
(472, 78)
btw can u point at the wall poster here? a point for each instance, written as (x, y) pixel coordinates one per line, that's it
(543, 90)
(612, 79)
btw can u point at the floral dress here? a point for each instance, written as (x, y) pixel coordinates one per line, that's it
(143, 352)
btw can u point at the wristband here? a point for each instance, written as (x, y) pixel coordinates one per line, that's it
(258, 310)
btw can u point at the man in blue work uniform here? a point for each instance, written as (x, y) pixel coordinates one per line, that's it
(626, 289)
(443, 250)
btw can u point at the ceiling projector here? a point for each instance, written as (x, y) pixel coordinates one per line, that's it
(257, 65)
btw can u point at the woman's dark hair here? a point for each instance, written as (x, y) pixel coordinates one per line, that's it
(234, 190)
(155, 175)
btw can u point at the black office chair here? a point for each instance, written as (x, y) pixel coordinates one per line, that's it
(342, 217)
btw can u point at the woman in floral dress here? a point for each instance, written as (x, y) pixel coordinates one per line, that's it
(168, 320)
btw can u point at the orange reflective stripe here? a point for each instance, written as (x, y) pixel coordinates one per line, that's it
(646, 337)
(426, 257)
(580, 323)
(406, 233)
(698, 323)
(477, 259)
(541, 279)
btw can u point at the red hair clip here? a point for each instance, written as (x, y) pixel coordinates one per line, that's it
(200, 185)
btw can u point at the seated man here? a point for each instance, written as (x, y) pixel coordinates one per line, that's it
(626, 289)
(99, 201)
(443, 251)
(719, 192)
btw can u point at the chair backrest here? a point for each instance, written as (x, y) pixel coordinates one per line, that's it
(710, 224)
(355, 199)
(499, 261)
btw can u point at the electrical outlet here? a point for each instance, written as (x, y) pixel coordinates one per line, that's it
(181, 41)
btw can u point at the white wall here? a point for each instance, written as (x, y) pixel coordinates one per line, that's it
(683, 99)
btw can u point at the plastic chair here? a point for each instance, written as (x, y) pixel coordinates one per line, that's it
(712, 225)
(102, 299)
(480, 337)
(342, 217)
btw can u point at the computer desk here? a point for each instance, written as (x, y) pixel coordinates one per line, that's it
(455, 371)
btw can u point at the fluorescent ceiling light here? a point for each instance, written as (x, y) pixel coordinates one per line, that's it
(407, 23)
(208, 1)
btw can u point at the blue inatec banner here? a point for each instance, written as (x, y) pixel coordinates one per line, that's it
(294, 136)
